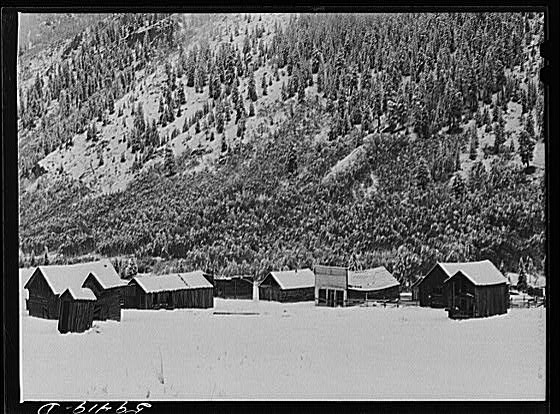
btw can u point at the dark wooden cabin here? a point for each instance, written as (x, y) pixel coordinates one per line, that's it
(47, 283)
(76, 310)
(233, 287)
(108, 303)
(288, 286)
(171, 291)
(476, 292)
(428, 291)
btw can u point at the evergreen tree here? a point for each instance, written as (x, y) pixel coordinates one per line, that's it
(169, 164)
(422, 175)
(526, 147)
(131, 269)
(251, 89)
(499, 138)
(522, 279)
(458, 185)
(251, 109)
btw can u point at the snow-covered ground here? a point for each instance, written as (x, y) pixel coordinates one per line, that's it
(288, 351)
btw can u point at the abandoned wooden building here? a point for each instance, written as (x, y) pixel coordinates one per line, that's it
(476, 290)
(76, 310)
(338, 286)
(377, 284)
(331, 285)
(170, 291)
(288, 286)
(233, 287)
(47, 283)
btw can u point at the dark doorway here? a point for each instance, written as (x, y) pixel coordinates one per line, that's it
(339, 298)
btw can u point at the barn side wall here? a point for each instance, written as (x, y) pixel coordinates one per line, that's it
(235, 288)
(491, 300)
(79, 317)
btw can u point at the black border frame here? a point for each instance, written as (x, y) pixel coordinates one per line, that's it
(10, 198)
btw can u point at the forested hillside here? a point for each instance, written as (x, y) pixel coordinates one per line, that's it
(242, 144)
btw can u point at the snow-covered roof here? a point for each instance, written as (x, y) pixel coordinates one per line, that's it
(371, 279)
(482, 273)
(60, 277)
(295, 279)
(172, 281)
(81, 293)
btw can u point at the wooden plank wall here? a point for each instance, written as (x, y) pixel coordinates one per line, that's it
(202, 298)
(79, 318)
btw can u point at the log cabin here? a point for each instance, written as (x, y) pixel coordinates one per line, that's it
(170, 291)
(288, 286)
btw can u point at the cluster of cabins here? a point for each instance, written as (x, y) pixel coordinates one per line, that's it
(76, 295)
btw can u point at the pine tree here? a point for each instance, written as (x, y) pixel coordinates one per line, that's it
(422, 175)
(169, 164)
(131, 268)
(251, 109)
(458, 185)
(473, 151)
(251, 89)
(499, 138)
(525, 148)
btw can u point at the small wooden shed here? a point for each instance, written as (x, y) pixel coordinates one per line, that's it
(76, 310)
(476, 290)
(170, 291)
(288, 286)
(233, 287)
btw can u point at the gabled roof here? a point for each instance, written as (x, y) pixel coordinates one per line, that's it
(80, 294)
(482, 273)
(172, 282)
(371, 279)
(61, 277)
(294, 279)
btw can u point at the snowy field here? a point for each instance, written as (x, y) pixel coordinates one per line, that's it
(292, 351)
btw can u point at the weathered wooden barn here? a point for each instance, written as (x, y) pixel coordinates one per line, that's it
(288, 286)
(233, 287)
(377, 283)
(47, 283)
(476, 290)
(338, 286)
(76, 310)
(170, 291)
(428, 291)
